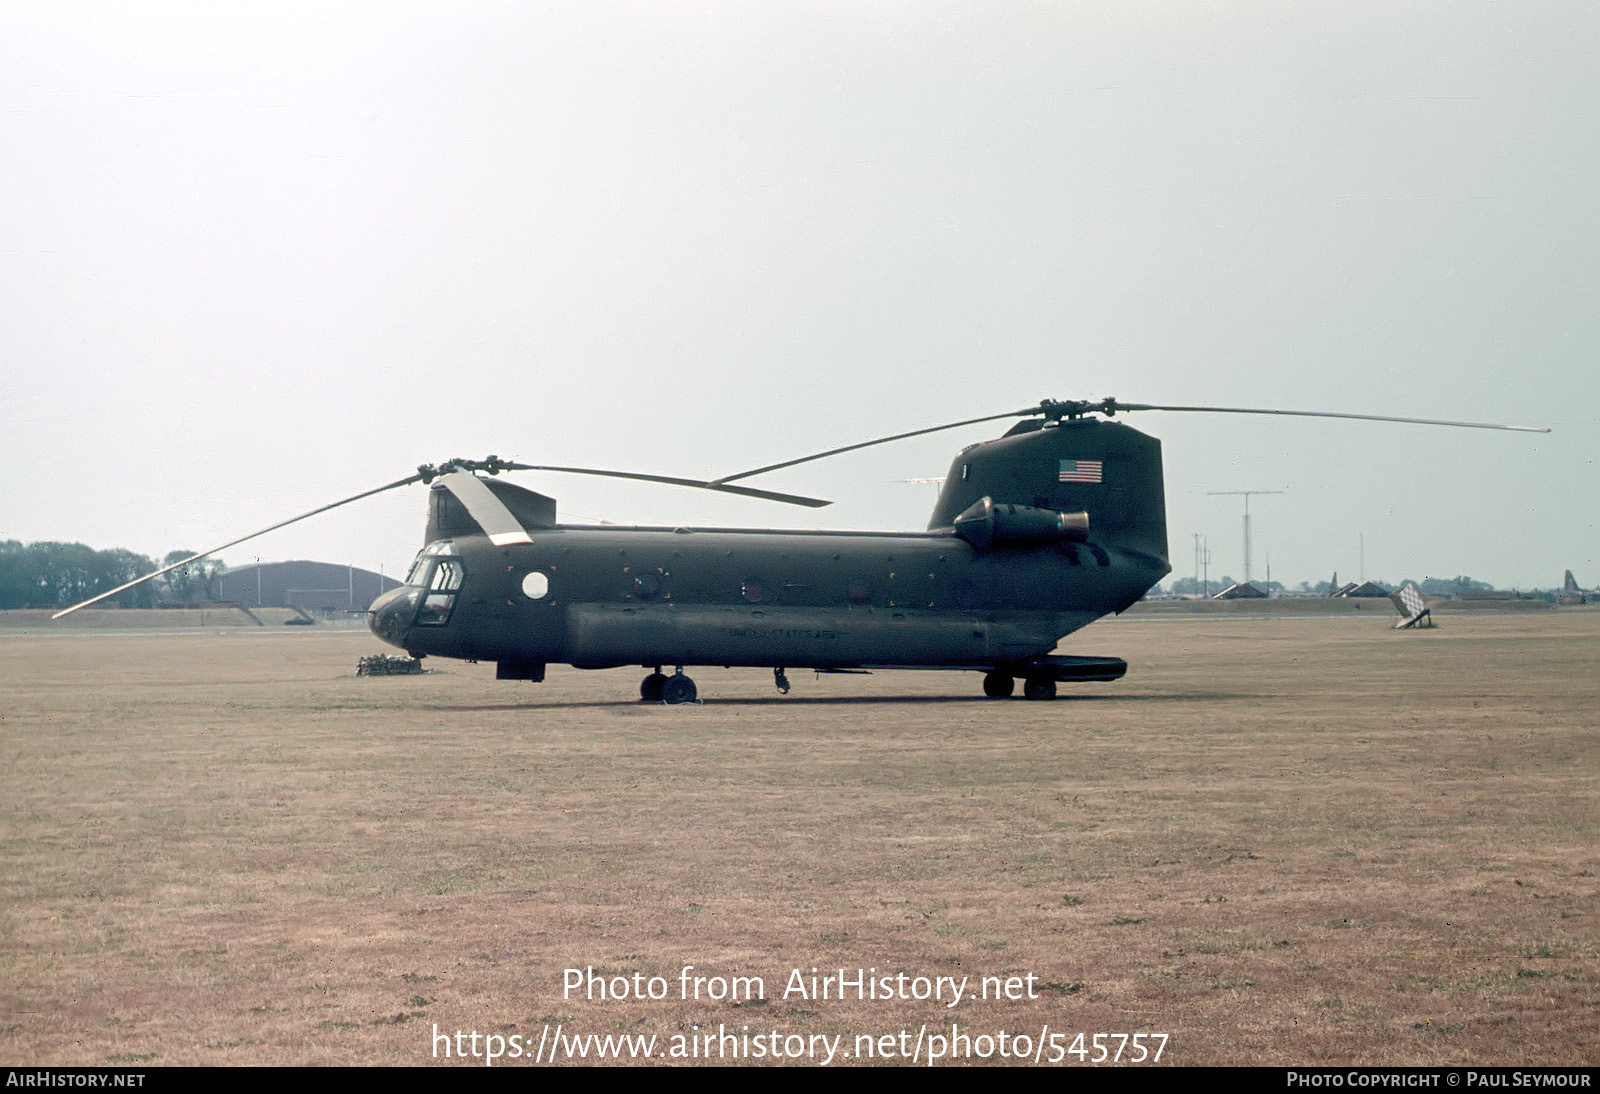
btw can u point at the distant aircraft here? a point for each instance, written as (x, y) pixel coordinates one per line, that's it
(1571, 594)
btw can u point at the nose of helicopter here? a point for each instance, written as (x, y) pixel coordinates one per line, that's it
(389, 617)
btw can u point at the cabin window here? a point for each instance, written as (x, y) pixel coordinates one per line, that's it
(536, 586)
(646, 586)
(443, 587)
(861, 591)
(754, 589)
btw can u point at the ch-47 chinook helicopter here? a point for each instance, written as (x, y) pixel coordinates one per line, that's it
(1035, 534)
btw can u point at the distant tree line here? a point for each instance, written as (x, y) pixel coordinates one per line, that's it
(1448, 586)
(58, 575)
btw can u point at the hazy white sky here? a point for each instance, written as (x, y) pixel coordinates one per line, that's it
(254, 258)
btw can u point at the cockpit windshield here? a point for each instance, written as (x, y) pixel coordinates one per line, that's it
(442, 584)
(418, 576)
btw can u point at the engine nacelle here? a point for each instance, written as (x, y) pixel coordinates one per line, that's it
(986, 524)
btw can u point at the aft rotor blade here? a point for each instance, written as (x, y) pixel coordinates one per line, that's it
(1114, 406)
(407, 481)
(1076, 408)
(719, 484)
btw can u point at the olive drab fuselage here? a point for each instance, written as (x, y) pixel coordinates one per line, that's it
(1008, 566)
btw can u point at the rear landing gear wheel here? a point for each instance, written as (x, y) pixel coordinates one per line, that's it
(678, 689)
(999, 685)
(1039, 687)
(650, 689)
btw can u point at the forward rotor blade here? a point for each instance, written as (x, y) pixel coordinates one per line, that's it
(1113, 406)
(407, 481)
(719, 484)
(428, 474)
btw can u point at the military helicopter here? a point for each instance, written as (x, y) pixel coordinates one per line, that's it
(1035, 534)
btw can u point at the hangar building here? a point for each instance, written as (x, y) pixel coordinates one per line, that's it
(319, 587)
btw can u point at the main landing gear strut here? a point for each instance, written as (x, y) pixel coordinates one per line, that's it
(661, 688)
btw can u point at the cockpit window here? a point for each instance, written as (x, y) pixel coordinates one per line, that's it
(443, 586)
(419, 569)
(446, 577)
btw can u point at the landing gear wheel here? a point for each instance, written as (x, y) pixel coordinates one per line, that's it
(650, 690)
(678, 689)
(1039, 687)
(780, 681)
(999, 685)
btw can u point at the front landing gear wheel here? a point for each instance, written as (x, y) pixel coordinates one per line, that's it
(780, 681)
(678, 689)
(999, 685)
(650, 690)
(1038, 687)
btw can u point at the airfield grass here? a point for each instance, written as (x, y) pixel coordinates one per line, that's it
(1307, 841)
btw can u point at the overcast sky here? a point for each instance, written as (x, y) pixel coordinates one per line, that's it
(254, 258)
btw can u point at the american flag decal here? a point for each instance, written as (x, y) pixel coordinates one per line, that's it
(1080, 470)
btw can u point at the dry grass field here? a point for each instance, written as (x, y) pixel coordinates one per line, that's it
(1277, 840)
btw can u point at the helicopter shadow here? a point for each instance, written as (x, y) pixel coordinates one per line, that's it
(838, 701)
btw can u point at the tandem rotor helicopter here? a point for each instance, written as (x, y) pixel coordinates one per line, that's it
(1036, 534)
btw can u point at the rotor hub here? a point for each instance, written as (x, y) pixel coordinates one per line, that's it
(1056, 409)
(492, 465)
